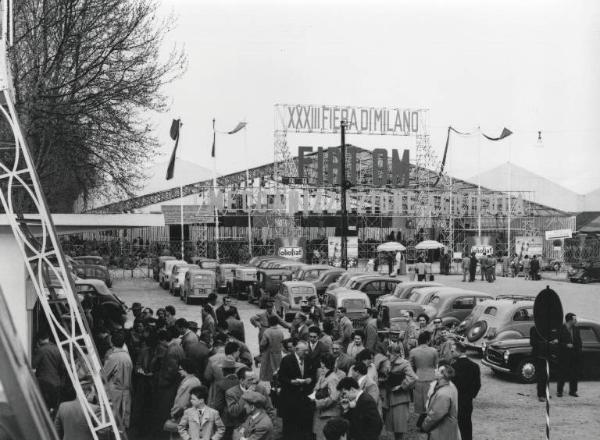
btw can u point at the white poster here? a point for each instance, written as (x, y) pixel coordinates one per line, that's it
(334, 248)
(529, 246)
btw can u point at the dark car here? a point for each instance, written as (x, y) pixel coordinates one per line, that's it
(105, 304)
(94, 271)
(268, 282)
(375, 286)
(513, 356)
(585, 272)
(326, 278)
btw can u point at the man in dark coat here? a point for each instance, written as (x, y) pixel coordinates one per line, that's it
(472, 267)
(219, 403)
(315, 347)
(467, 379)
(297, 379)
(49, 370)
(569, 355)
(360, 410)
(540, 350)
(534, 268)
(221, 312)
(234, 325)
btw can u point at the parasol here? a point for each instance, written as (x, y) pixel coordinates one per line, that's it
(429, 244)
(391, 246)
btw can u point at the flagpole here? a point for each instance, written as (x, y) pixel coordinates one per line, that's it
(216, 205)
(479, 184)
(247, 182)
(509, 196)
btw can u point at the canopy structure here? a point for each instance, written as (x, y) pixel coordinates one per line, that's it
(391, 246)
(429, 244)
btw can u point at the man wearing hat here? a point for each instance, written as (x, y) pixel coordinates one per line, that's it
(229, 380)
(258, 425)
(188, 337)
(136, 310)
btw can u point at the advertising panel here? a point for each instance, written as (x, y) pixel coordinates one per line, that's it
(529, 246)
(334, 248)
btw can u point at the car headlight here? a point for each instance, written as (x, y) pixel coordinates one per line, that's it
(484, 346)
(506, 356)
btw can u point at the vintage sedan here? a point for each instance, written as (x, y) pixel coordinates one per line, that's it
(403, 291)
(310, 272)
(585, 273)
(357, 305)
(166, 268)
(105, 304)
(392, 315)
(268, 284)
(244, 281)
(177, 277)
(198, 284)
(453, 305)
(157, 264)
(375, 286)
(495, 320)
(94, 271)
(513, 356)
(346, 279)
(90, 259)
(225, 274)
(326, 278)
(292, 296)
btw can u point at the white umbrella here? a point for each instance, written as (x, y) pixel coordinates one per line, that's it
(429, 244)
(391, 246)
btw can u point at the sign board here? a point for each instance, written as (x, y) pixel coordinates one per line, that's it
(334, 248)
(292, 252)
(548, 314)
(481, 249)
(559, 233)
(529, 246)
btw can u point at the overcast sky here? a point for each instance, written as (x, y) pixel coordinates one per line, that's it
(528, 65)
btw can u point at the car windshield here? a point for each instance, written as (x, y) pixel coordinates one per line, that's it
(354, 304)
(311, 275)
(208, 264)
(415, 297)
(302, 290)
(491, 311)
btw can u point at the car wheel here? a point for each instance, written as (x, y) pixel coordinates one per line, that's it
(556, 267)
(477, 331)
(585, 279)
(526, 371)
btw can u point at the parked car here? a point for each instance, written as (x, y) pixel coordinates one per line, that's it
(500, 319)
(94, 271)
(291, 296)
(345, 280)
(225, 277)
(245, 281)
(392, 314)
(166, 268)
(177, 277)
(198, 284)
(326, 278)
(90, 259)
(403, 291)
(105, 304)
(551, 264)
(206, 263)
(375, 286)
(311, 272)
(513, 356)
(585, 272)
(158, 264)
(357, 305)
(453, 305)
(269, 281)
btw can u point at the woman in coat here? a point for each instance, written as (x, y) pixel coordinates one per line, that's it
(401, 379)
(270, 349)
(442, 409)
(326, 394)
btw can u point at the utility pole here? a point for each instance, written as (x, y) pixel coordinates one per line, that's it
(343, 197)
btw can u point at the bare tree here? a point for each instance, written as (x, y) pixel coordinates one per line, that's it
(87, 75)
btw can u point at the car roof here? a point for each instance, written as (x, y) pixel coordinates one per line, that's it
(92, 266)
(228, 265)
(200, 270)
(422, 283)
(275, 271)
(298, 283)
(98, 284)
(454, 292)
(315, 266)
(349, 293)
(403, 305)
(379, 278)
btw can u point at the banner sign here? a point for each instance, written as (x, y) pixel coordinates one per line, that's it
(482, 249)
(529, 246)
(294, 253)
(559, 233)
(334, 247)
(399, 202)
(360, 120)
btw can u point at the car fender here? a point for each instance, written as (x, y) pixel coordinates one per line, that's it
(508, 334)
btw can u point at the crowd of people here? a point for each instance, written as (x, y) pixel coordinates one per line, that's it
(167, 374)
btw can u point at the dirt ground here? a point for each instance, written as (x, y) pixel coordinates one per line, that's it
(504, 409)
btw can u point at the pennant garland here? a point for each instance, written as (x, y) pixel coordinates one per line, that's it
(174, 132)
